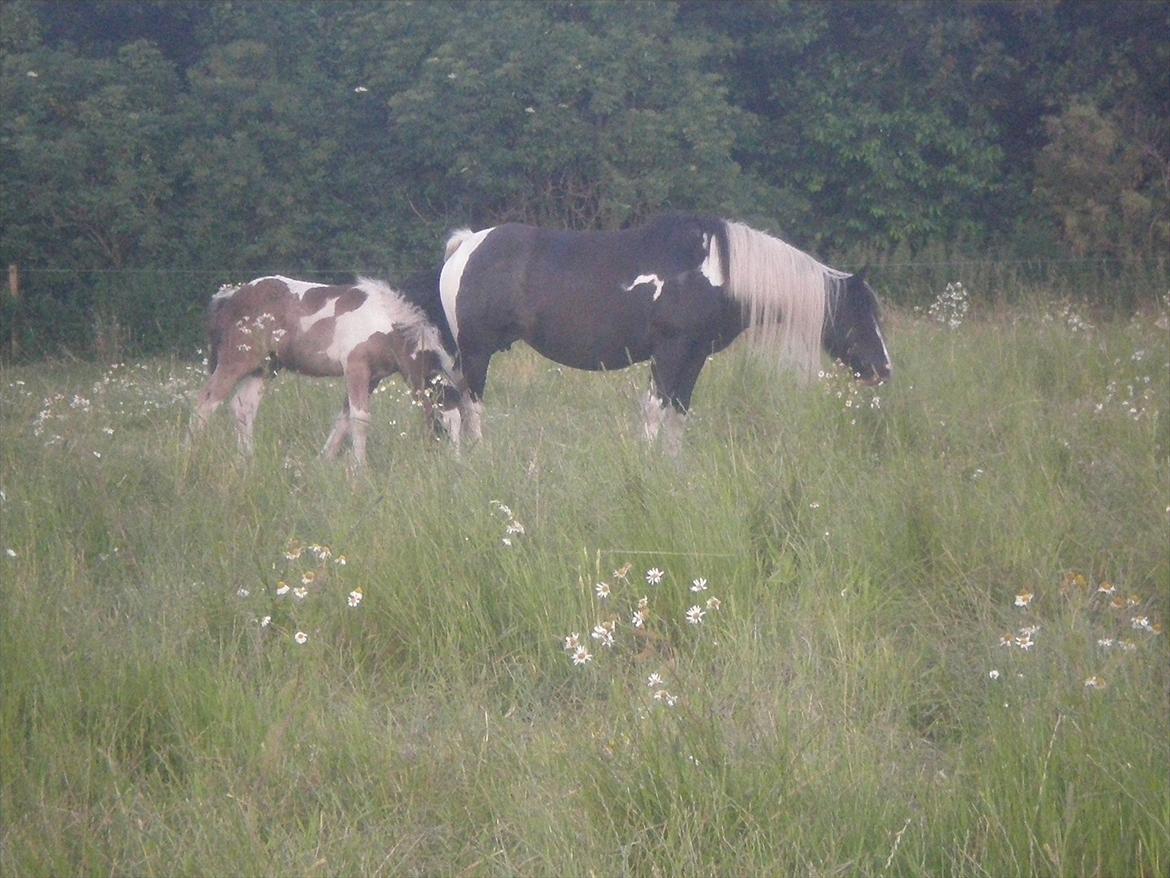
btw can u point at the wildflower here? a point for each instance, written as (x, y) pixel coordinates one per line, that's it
(507, 541)
(1140, 623)
(581, 655)
(573, 641)
(355, 597)
(514, 527)
(1023, 600)
(622, 572)
(11, 553)
(643, 602)
(266, 621)
(993, 674)
(654, 680)
(713, 603)
(294, 550)
(695, 615)
(1132, 601)
(1094, 682)
(1126, 645)
(603, 633)
(301, 637)
(663, 695)
(602, 590)
(339, 560)
(503, 510)
(699, 584)
(307, 577)
(1105, 642)
(1029, 631)
(638, 619)
(654, 576)
(1025, 643)
(360, 89)
(243, 592)
(323, 553)
(281, 588)
(300, 592)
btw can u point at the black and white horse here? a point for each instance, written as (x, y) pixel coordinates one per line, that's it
(363, 332)
(672, 292)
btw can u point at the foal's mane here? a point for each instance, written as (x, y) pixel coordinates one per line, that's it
(786, 294)
(408, 318)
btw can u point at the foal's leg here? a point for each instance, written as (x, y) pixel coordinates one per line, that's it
(217, 389)
(340, 431)
(358, 386)
(245, 404)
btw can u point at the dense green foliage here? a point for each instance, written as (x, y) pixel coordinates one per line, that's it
(230, 138)
(847, 709)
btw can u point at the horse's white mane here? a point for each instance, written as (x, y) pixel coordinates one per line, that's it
(786, 294)
(455, 241)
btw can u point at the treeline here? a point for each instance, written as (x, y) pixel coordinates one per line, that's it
(230, 138)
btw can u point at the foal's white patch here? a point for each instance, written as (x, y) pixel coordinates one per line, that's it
(452, 275)
(647, 279)
(712, 267)
(382, 311)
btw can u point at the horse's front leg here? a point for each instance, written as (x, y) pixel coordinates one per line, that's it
(674, 369)
(358, 387)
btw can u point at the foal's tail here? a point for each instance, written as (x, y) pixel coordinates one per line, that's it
(455, 241)
(214, 328)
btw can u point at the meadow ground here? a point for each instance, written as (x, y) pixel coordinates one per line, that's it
(911, 631)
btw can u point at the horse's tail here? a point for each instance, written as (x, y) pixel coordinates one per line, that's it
(422, 289)
(455, 241)
(214, 328)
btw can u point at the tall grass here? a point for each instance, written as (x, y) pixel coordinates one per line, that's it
(847, 705)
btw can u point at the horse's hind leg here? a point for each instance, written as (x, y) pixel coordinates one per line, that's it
(218, 388)
(340, 432)
(245, 404)
(475, 367)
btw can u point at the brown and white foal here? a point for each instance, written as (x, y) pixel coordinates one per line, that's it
(365, 332)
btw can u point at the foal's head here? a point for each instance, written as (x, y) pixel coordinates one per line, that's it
(853, 334)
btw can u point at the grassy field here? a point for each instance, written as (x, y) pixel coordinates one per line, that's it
(930, 643)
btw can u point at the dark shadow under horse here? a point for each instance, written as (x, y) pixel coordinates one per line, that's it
(672, 292)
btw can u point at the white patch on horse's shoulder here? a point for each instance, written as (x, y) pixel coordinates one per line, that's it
(712, 266)
(647, 279)
(452, 275)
